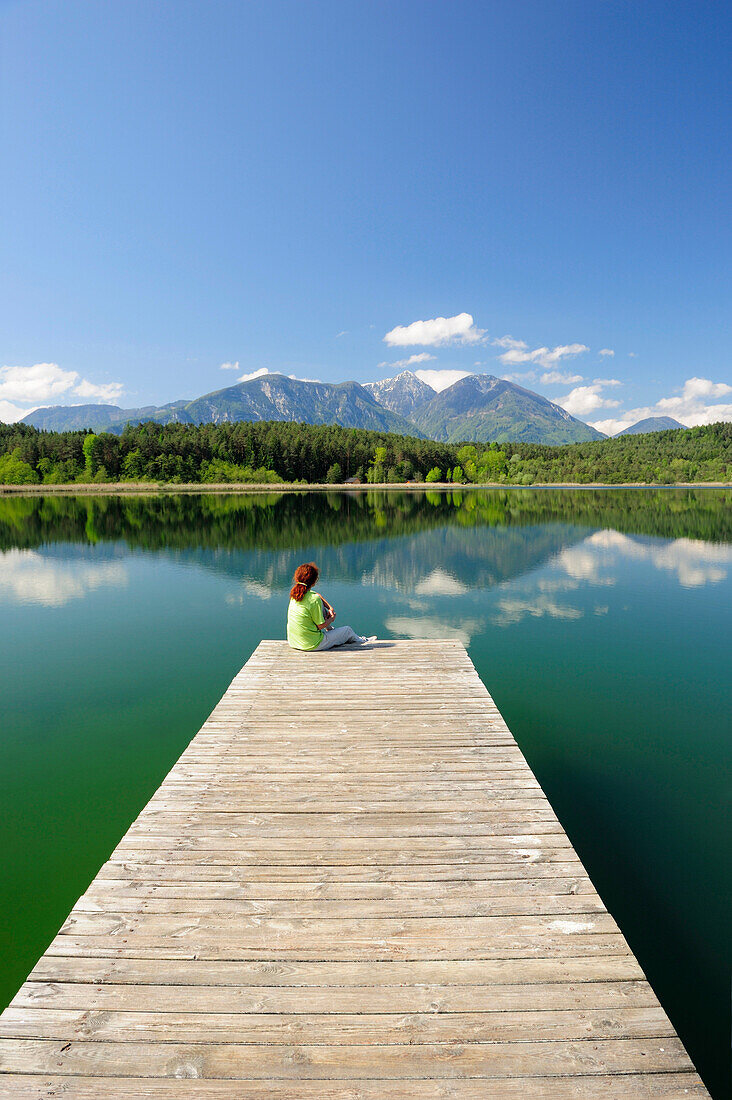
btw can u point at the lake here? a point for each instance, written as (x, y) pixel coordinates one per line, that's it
(600, 621)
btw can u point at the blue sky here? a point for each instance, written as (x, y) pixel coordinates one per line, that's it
(281, 185)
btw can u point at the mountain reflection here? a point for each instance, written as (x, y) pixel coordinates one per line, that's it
(425, 544)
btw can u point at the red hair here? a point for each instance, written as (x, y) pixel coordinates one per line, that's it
(305, 577)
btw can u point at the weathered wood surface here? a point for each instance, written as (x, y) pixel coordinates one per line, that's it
(349, 887)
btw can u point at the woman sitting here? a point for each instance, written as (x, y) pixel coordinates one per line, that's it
(309, 622)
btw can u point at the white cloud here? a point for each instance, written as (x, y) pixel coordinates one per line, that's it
(518, 351)
(264, 370)
(10, 414)
(558, 378)
(45, 383)
(420, 357)
(697, 403)
(612, 427)
(632, 354)
(702, 387)
(436, 333)
(583, 400)
(439, 380)
(41, 382)
(255, 374)
(521, 376)
(606, 351)
(107, 392)
(28, 577)
(509, 342)
(230, 366)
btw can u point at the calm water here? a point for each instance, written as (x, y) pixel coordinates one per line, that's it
(599, 620)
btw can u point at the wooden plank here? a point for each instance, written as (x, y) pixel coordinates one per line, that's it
(423, 893)
(378, 901)
(109, 995)
(642, 1086)
(330, 974)
(327, 909)
(334, 1028)
(344, 1061)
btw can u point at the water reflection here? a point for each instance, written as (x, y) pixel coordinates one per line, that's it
(693, 562)
(432, 626)
(427, 544)
(440, 583)
(28, 576)
(278, 521)
(600, 621)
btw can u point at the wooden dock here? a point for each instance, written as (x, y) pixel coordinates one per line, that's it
(349, 887)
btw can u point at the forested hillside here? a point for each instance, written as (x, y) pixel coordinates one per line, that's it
(277, 451)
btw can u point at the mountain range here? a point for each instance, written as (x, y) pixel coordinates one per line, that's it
(479, 407)
(271, 397)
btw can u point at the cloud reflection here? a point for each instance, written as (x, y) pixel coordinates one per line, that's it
(431, 627)
(512, 609)
(251, 588)
(28, 577)
(694, 562)
(440, 583)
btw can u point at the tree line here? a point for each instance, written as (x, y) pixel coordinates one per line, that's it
(271, 452)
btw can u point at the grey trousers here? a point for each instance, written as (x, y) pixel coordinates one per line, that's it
(339, 635)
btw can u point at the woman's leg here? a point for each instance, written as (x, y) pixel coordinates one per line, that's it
(339, 635)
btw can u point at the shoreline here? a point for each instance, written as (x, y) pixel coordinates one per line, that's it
(149, 488)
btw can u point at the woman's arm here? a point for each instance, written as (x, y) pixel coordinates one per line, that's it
(319, 611)
(329, 617)
(328, 612)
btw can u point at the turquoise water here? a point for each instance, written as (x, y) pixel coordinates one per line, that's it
(600, 621)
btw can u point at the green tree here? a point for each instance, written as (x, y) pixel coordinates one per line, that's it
(492, 463)
(105, 454)
(133, 466)
(376, 466)
(467, 453)
(88, 448)
(14, 471)
(435, 474)
(335, 474)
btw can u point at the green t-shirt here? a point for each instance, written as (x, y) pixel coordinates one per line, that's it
(303, 617)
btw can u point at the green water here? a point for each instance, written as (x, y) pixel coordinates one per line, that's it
(600, 620)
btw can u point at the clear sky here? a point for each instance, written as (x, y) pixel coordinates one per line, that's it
(279, 185)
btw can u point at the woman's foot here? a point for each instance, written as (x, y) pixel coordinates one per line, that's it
(364, 640)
